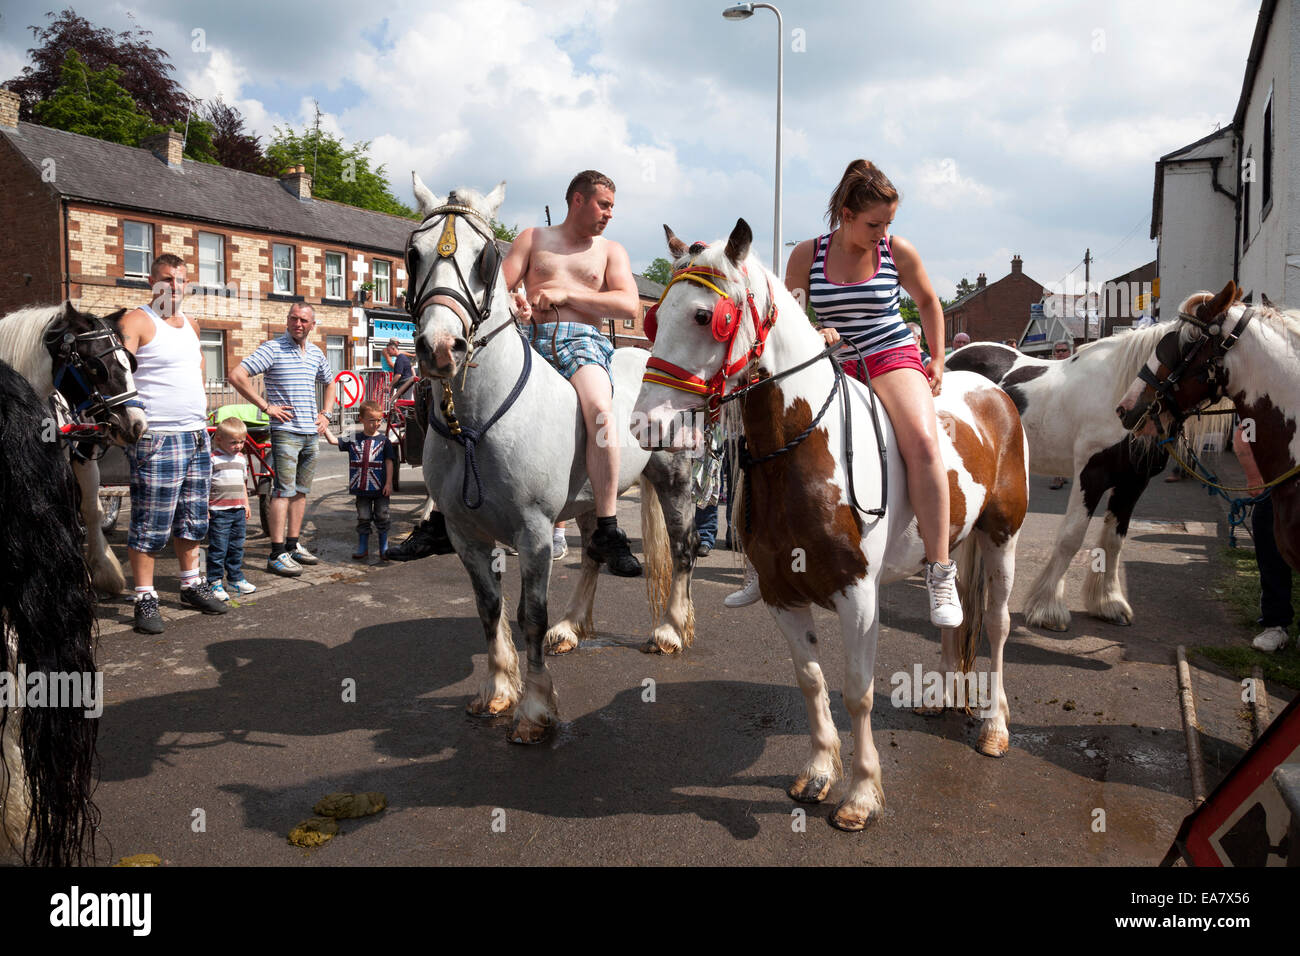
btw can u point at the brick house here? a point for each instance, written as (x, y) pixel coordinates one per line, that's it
(83, 219)
(994, 312)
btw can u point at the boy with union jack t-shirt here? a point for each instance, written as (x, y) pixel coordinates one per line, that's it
(371, 459)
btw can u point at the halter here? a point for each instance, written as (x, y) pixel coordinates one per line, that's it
(725, 321)
(70, 364)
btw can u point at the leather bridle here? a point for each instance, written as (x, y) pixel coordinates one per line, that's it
(83, 374)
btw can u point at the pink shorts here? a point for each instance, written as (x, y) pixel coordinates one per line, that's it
(878, 363)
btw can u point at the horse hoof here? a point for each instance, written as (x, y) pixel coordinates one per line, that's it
(1119, 618)
(994, 743)
(496, 706)
(560, 644)
(528, 732)
(850, 819)
(811, 789)
(927, 711)
(662, 644)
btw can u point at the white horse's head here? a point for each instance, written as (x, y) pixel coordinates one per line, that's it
(702, 328)
(453, 276)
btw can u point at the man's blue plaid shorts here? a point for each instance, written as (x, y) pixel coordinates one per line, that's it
(171, 474)
(570, 345)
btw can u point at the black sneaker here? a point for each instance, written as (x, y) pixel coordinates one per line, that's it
(200, 596)
(147, 618)
(611, 548)
(428, 537)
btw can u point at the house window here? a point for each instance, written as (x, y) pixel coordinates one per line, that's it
(381, 281)
(1266, 172)
(629, 323)
(336, 351)
(1245, 201)
(212, 260)
(137, 248)
(212, 342)
(334, 275)
(282, 261)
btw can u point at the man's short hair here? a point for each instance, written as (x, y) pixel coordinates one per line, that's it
(231, 428)
(393, 343)
(586, 182)
(1063, 344)
(166, 259)
(372, 407)
(301, 307)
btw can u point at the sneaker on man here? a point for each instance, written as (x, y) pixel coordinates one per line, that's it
(147, 618)
(200, 596)
(748, 594)
(219, 592)
(301, 555)
(611, 548)
(941, 584)
(284, 566)
(244, 587)
(559, 546)
(1270, 639)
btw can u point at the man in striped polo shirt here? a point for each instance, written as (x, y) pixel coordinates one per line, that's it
(292, 367)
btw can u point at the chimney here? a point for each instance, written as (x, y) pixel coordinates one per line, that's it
(981, 281)
(9, 109)
(1017, 267)
(297, 180)
(168, 146)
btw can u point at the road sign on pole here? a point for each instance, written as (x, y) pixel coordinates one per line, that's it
(351, 388)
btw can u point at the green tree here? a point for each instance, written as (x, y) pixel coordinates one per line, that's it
(964, 287)
(339, 172)
(660, 270)
(94, 104)
(909, 310)
(503, 232)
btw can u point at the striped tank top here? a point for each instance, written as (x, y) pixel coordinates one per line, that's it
(865, 313)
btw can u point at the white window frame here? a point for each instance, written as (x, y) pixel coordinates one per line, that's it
(385, 278)
(275, 269)
(336, 344)
(342, 261)
(147, 249)
(219, 279)
(210, 339)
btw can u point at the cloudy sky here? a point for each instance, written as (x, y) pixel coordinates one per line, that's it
(1009, 127)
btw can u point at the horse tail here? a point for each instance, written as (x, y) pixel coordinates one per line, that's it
(658, 552)
(970, 585)
(48, 611)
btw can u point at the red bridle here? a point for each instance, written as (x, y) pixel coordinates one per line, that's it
(725, 325)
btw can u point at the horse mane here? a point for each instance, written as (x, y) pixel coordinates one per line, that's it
(21, 335)
(465, 196)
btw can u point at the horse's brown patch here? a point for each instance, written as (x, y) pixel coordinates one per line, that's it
(995, 459)
(794, 504)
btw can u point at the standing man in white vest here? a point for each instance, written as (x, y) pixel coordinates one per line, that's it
(171, 465)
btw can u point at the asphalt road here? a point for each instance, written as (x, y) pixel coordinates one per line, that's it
(243, 717)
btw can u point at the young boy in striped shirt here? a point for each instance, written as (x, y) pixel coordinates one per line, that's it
(228, 509)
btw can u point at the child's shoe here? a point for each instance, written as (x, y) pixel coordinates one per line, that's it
(363, 548)
(383, 546)
(244, 587)
(219, 592)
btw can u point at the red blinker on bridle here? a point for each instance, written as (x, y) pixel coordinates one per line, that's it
(727, 315)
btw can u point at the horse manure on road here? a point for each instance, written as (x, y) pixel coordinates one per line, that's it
(140, 859)
(347, 806)
(314, 832)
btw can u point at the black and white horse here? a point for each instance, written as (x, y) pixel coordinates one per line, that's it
(81, 357)
(47, 616)
(1068, 411)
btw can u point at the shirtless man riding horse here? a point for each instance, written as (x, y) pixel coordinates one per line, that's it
(572, 277)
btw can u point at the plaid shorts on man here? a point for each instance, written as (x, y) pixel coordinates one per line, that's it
(570, 345)
(171, 474)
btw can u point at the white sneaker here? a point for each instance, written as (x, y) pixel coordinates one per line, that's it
(559, 546)
(1270, 639)
(748, 594)
(244, 587)
(941, 583)
(301, 555)
(219, 592)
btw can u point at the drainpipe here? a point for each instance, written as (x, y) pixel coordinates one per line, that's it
(67, 254)
(1236, 205)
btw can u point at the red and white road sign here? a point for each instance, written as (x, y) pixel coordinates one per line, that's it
(351, 388)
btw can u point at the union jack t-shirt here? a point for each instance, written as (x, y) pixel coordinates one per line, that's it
(366, 457)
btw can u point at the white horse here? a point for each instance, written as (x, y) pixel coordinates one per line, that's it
(807, 541)
(1067, 408)
(513, 460)
(81, 356)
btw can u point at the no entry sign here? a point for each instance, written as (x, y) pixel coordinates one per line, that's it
(351, 388)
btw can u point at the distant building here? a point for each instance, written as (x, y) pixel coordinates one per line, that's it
(994, 312)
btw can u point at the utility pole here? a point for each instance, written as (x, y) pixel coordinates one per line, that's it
(1087, 291)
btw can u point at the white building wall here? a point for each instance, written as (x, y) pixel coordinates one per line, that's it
(1271, 237)
(1196, 238)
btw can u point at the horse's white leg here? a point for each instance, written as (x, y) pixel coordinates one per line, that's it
(576, 624)
(1103, 592)
(948, 656)
(105, 571)
(999, 577)
(501, 687)
(823, 767)
(669, 535)
(860, 627)
(1045, 606)
(537, 711)
(426, 509)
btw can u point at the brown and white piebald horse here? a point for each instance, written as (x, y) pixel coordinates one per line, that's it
(724, 321)
(1250, 354)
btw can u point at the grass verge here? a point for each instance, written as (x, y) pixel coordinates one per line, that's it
(1238, 587)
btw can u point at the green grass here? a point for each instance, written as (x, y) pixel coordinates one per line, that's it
(1238, 588)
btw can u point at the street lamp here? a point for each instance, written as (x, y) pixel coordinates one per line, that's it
(743, 11)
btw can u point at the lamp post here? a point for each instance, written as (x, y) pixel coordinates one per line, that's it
(743, 11)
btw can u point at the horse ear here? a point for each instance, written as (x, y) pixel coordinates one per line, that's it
(70, 313)
(427, 201)
(676, 247)
(1220, 302)
(494, 199)
(738, 243)
(1266, 301)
